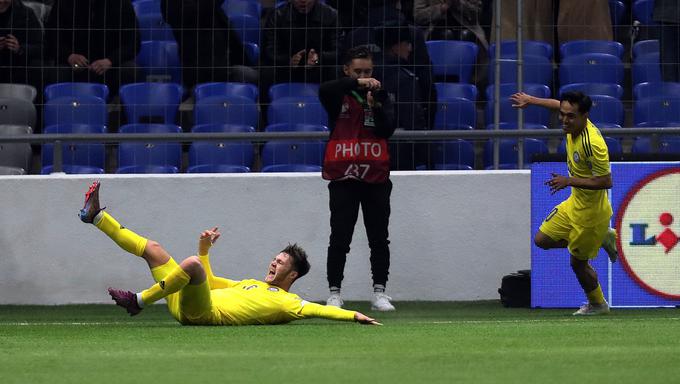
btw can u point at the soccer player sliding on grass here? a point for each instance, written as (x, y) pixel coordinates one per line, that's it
(580, 223)
(196, 297)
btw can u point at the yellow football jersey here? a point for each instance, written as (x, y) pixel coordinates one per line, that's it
(587, 156)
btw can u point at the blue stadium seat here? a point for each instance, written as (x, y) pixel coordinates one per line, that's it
(225, 89)
(452, 59)
(286, 127)
(455, 113)
(151, 102)
(606, 110)
(579, 47)
(590, 89)
(151, 156)
(242, 7)
(297, 110)
(247, 27)
(666, 144)
(647, 68)
(613, 145)
(657, 112)
(507, 153)
(616, 11)
(529, 47)
(291, 168)
(220, 156)
(291, 153)
(74, 170)
(75, 153)
(159, 61)
(536, 69)
(591, 68)
(278, 91)
(145, 7)
(71, 89)
(645, 47)
(643, 11)
(508, 114)
(449, 90)
(75, 110)
(453, 155)
(661, 89)
(252, 52)
(150, 21)
(226, 110)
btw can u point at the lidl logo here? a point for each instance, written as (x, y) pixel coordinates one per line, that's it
(648, 235)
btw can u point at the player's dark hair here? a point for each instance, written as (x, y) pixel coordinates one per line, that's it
(579, 99)
(300, 263)
(358, 52)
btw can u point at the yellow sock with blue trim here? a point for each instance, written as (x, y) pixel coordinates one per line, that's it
(122, 236)
(171, 283)
(596, 296)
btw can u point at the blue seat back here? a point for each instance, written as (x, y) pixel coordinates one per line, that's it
(656, 111)
(151, 102)
(647, 68)
(579, 47)
(247, 27)
(242, 7)
(144, 157)
(591, 68)
(529, 47)
(645, 47)
(453, 152)
(71, 89)
(606, 110)
(658, 89)
(455, 113)
(297, 110)
(449, 90)
(226, 89)
(616, 11)
(643, 11)
(536, 69)
(83, 109)
(508, 150)
(159, 61)
(590, 89)
(75, 153)
(278, 91)
(226, 110)
(666, 145)
(452, 59)
(221, 152)
(293, 152)
(286, 127)
(291, 168)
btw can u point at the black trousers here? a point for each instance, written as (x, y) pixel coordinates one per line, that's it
(345, 199)
(670, 52)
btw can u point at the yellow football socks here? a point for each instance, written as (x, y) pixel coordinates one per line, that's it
(171, 283)
(596, 296)
(124, 237)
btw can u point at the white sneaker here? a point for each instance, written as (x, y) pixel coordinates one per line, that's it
(335, 300)
(588, 309)
(609, 245)
(381, 302)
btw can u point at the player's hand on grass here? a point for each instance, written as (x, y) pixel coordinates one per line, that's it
(520, 100)
(207, 239)
(363, 319)
(557, 183)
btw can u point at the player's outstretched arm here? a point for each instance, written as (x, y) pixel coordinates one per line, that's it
(205, 241)
(311, 310)
(523, 100)
(363, 319)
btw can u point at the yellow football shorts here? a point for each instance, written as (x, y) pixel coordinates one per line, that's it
(582, 242)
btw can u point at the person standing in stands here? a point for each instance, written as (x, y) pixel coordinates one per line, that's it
(357, 163)
(20, 42)
(93, 41)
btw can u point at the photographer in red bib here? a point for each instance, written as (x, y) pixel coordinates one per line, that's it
(357, 163)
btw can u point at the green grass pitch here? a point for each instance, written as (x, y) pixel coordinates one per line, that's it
(423, 342)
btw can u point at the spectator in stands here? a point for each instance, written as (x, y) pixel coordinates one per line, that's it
(300, 43)
(210, 50)
(403, 87)
(20, 42)
(357, 163)
(93, 41)
(667, 13)
(451, 19)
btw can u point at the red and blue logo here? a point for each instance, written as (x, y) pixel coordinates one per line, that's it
(648, 236)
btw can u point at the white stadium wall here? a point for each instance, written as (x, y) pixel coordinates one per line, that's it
(453, 234)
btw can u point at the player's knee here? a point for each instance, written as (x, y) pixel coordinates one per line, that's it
(192, 264)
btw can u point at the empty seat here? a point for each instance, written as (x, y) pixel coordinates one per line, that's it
(657, 89)
(18, 91)
(509, 149)
(645, 47)
(150, 156)
(247, 27)
(71, 89)
(226, 110)
(225, 89)
(220, 156)
(449, 90)
(453, 155)
(591, 68)
(82, 109)
(452, 60)
(657, 112)
(151, 102)
(75, 153)
(647, 68)
(242, 7)
(287, 155)
(536, 69)
(278, 91)
(297, 110)
(15, 111)
(455, 113)
(665, 145)
(529, 47)
(616, 11)
(508, 114)
(15, 155)
(590, 89)
(579, 47)
(606, 111)
(252, 51)
(643, 11)
(292, 168)
(159, 61)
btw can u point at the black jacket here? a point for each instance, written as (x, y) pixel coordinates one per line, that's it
(403, 86)
(96, 29)
(21, 22)
(667, 11)
(332, 93)
(287, 32)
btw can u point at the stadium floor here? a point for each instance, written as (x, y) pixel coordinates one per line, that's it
(423, 342)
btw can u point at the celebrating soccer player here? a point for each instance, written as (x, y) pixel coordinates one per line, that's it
(196, 297)
(580, 223)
